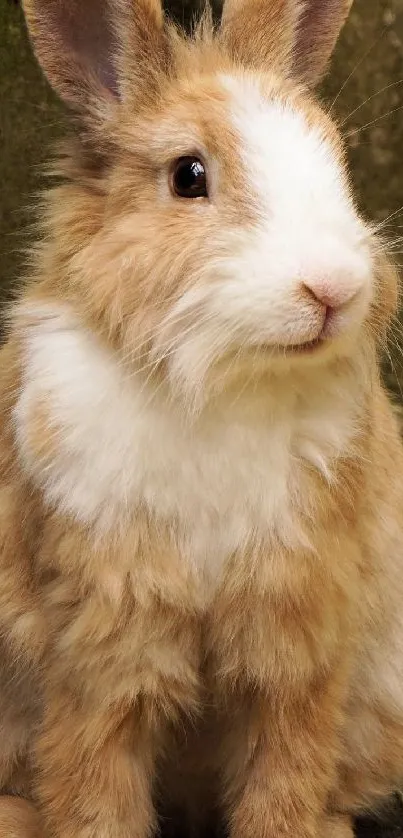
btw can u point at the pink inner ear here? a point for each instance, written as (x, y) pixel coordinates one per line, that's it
(319, 26)
(87, 34)
(90, 49)
(319, 18)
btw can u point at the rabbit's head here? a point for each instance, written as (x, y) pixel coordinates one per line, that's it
(206, 225)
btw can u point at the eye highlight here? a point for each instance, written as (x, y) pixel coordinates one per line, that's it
(188, 178)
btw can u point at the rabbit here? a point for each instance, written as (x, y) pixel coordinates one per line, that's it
(201, 566)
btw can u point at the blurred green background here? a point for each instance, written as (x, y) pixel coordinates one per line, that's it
(366, 80)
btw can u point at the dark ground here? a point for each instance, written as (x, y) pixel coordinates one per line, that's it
(369, 56)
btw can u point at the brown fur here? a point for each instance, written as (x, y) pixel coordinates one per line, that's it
(295, 38)
(118, 686)
(18, 819)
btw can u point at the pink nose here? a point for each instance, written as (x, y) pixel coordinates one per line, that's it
(332, 294)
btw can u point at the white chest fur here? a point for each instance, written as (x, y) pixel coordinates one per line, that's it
(232, 473)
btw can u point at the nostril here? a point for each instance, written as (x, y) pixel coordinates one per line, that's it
(315, 296)
(331, 297)
(324, 308)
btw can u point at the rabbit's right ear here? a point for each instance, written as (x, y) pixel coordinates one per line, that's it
(90, 48)
(294, 37)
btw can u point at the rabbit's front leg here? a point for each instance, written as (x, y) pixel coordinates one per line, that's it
(281, 650)
(115, 682)
(280, 770)
(95, 770)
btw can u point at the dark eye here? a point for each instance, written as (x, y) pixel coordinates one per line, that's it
(188, 178)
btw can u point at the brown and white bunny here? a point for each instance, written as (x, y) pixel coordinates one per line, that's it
(201, 501)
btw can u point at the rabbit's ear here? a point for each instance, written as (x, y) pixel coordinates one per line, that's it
(294, 37)
(85, 46)
(319, 27)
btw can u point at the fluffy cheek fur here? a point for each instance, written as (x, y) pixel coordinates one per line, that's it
(252, 270)
(303, 243)
(184, 284)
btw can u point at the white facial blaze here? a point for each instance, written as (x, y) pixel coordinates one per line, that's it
(306, 235)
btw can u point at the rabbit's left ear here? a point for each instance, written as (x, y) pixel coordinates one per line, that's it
(94, 48)
(294, 37)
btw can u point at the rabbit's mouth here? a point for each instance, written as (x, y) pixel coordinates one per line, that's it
(335, 325)
(284, 350)
(322, 339)
(308, 347)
